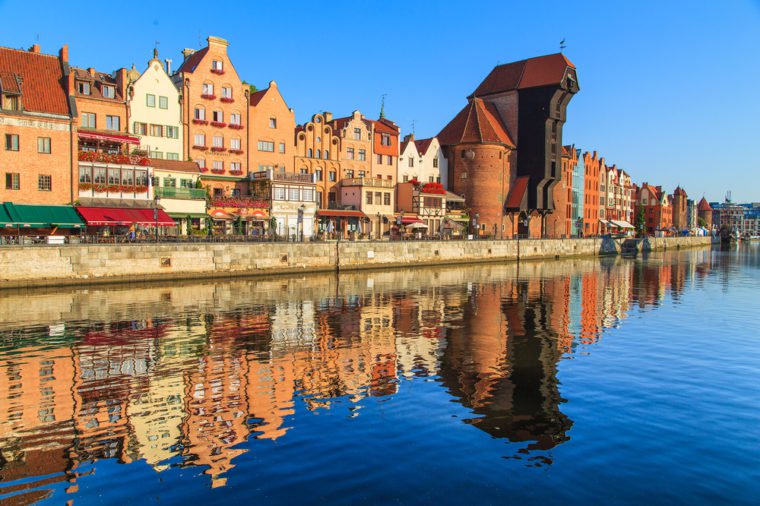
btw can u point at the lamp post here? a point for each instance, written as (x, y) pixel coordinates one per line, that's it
(299, 229)
(379, 227)
(156, 200)
(475, 225)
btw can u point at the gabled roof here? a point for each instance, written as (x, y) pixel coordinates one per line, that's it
(652, 190)
(703, 205)
(679, 191)
(42, 88)
(100, 78)
(478, 123)
(340, 123)
(192, 61)
(423, 145)
(385, 126)
(258, 97)
(530, 73)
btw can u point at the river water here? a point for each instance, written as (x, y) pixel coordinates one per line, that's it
(574, 381)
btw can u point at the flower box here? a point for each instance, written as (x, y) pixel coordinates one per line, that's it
(218, 149)
(118, 158)
(227, 100)
(208, 97)
(236, 172)
(202, 148)
(217, 171)
(217, 71)
(235, 126)
(203, 169)
(218, 124)
(200, 122)
(236, 151)
(85, 186)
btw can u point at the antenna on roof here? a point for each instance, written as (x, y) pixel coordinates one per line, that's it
(562, 44)
(382, 105)
(413, 132)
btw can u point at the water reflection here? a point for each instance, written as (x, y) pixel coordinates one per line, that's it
(195, 374)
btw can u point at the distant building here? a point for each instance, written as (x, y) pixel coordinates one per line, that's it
(578, 196)
(705, 213)
(422, 160)
(593, 172)
(679, 209)
(657, 207)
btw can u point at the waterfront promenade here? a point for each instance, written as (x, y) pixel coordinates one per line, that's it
(28, 266)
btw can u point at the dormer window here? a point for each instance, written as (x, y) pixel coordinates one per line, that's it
(385, 140)
(11, 102)
(108, 91)
(83, 88)
(217, 67)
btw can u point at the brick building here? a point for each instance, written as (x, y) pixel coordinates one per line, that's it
(271, 131)
(705, 213)
(679, 209)
(658, 213)
(37, 156)
(593, 165)
(318, 152)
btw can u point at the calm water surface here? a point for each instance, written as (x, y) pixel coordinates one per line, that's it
(579, 381)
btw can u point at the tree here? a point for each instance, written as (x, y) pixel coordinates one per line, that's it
(701, 222)
(641, 223)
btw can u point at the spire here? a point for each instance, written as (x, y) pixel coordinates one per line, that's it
(382, 106)
(155, 53)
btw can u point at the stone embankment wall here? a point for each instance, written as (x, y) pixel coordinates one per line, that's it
(25, 266)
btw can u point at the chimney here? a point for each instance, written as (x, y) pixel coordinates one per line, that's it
(409, 138)
(121, 81)
(91, 71)
(328, 116)
(63, 54)
(168, 66)
(187, 52)
(217, 41)
(35, 48)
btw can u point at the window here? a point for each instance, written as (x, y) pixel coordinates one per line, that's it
(217, 65)
(389, 158)
(11, 142)
(438, 179)
(304, 170)
(218, 165)
(319, 154)
(293, 194)
(217, 116)
(378, 196)
(350, 154)
(411, 161)
(357, 134)
(88, 120)
(282, 147)
(150, 100)
(99, 176)
(43, 145)
(12, 181)
(200, 113)
(172, 132)
(113, 123)
(327, 154)
(163, 102)
(318, 174)
(12, 103)
(333, 176)
(208, 89)
(83, 88)
(369, 198)
(349, 173)
(331, 198)
(234, 118)
(309, 153)
(108, 91)
(430, 179)
(319, 199)
(201, 163)
(170, 182)
(272, 122)
(140, 128)
(406, 178)
(156, 130)
(379, 159)
(268, 146)
(386, 199)
(218, 141)
(156, 154)
(385, 139)
(199, 140)
(362, 154)
(279, 193)
(186, 183)
(435, 162)
(362, 173)
(85, 175)
(45, 183)
(234, 143)
(226, 92)
(307, 195)
(235, 167)
(172, 156)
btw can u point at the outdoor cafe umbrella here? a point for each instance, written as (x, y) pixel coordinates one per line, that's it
(416, 225)
(330, 227)
(359, 226)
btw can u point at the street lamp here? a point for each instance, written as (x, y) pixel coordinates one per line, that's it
(379, 227)
(156, 200)
(475, 225)
(300, 222)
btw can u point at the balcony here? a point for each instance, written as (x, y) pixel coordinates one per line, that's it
(238, 202)
(114, 158)
(367, 181)
(200, 122)
(218, 124)
(181, 193)
(281, 176)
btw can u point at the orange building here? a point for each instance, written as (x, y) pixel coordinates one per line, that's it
(593, 167)
(271, 131)
(318, 153)
(657, 206)
(37, 156)
(215, 118)
(385, 147)
(356, 145)
(559, 223)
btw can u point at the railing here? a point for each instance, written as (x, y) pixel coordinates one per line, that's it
(367, 181)
(181, 193)
(118, 158)
(238, 202)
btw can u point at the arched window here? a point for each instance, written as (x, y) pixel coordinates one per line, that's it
(327, 154)
(309, 153)
(319, 153)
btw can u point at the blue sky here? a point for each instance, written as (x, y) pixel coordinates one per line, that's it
(668, 89)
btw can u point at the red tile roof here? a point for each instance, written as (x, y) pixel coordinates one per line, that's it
(96, 82)
(478, 122)
(175, 165)
(516, 197)
(42, 87)
(192, 61)
(385, 126)
(258, 97)
(679, 191)
(423, 145)
(704, 205)
(530, 73)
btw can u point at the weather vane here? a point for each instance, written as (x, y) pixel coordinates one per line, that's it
(562, 44)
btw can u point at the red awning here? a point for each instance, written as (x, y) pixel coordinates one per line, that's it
(340, 213)
(109, 137)
(100, 216)
(408, 220)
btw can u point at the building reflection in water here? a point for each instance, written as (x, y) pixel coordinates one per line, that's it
(192, 375)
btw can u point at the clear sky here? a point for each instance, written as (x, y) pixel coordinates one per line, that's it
(668, 88)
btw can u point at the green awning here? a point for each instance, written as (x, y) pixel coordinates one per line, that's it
(5, 220)
(32, 216)
(185, 215)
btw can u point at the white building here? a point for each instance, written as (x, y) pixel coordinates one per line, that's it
(154, 111)
(291, 199)
(422, 160)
